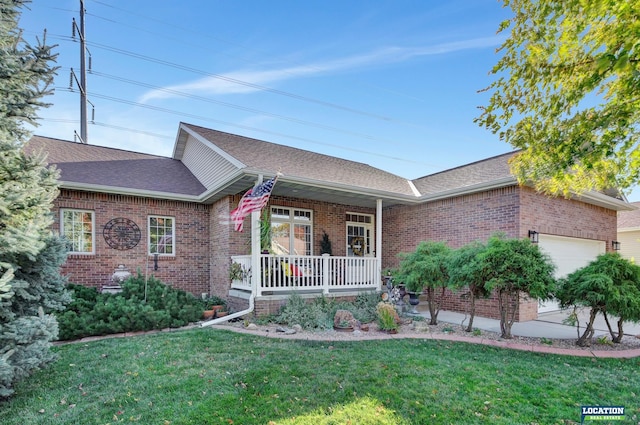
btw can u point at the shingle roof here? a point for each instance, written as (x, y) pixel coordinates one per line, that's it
(629, 219)
(294, 162)
(477, 173)
(90, 164)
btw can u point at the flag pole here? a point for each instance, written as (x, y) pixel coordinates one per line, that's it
(255, 247)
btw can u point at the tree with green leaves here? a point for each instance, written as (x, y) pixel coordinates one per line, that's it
(514, 267)
(426, 269)
(566, 93)
(466, 271)
(609, 284)
(30, 285)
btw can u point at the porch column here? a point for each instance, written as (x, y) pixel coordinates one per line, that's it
(256, 285)
(378, 275)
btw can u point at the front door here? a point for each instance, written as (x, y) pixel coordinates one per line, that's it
(360, 235)
(360, 243)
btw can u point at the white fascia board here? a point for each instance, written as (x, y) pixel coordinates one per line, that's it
(628, 229)
(128, 191)
(602, 200)
(235, 162)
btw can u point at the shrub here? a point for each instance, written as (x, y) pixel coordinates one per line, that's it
(387, 317)
(134, 309)
(515, 267)
(308, 315)
(609, 284)
(365, 306)
(319, 313)
(426, 267)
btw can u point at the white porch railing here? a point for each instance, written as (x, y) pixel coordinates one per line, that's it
(282, 273)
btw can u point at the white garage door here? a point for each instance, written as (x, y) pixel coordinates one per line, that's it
(568, 254)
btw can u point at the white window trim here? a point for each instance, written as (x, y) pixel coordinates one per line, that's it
(93, 229)
(292, 220)
(173, 235)
(370, 226)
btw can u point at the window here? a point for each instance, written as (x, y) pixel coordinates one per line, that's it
(77, 226)
(359, 235)
(161, 231)
(291, 231)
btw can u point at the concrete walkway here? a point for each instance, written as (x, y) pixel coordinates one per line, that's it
(548, 325)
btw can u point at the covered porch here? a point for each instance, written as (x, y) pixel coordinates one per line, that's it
(321, 274)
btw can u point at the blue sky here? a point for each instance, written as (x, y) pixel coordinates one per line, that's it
(394, 84)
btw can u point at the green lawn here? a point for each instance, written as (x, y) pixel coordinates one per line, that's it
(208, 376)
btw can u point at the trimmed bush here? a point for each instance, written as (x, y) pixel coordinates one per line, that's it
(134, 309)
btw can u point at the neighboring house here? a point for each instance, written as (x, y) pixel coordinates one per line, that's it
(119, 207)
(629, 233)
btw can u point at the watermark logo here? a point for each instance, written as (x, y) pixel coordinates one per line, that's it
(601, 413)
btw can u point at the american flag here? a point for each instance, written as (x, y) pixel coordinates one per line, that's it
(254, 200)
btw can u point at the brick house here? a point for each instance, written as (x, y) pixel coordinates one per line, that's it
(170, 217)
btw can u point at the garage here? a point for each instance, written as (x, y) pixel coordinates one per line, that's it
(568, 254)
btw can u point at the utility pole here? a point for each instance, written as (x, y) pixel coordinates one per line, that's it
(83, 79)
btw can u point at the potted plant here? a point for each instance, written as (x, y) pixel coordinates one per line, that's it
(212, 305)
(325, 244)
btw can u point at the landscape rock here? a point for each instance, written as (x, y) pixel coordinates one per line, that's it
(345, 316)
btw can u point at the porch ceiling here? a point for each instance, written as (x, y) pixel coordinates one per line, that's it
(294, 189)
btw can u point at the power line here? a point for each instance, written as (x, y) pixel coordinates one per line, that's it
(251, 85)
(239, 82)
(244, 127)
(220, 40)
(239, 107)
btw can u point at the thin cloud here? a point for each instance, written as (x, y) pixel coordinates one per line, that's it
(232, 83)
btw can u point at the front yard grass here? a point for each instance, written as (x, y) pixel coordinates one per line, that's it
(210, 376)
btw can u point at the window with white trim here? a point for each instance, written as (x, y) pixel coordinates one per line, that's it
(360, 241)
(77, 228)
(291, 231)
(161, 235)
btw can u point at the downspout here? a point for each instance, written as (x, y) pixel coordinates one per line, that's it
(234, 315)
(255, 265)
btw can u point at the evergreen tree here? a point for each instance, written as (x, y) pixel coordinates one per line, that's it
(514, 268)
(30, 285)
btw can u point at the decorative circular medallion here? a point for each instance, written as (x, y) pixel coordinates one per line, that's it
(357, 246)
(121, 233)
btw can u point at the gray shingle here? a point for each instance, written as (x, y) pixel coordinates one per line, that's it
(90, 164)
(294, 162)
(477, 173)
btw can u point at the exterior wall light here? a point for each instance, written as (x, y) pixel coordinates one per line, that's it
(615, 245)
(533, 236)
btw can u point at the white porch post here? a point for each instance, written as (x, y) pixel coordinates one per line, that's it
(256, 285)
(378, 275)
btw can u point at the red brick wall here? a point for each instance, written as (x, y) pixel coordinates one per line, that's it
(566, 217)
(456, 221)
(188, 270)
(512, 210)
(221, 247)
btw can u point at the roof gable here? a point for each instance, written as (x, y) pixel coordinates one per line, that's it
(269, 158)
